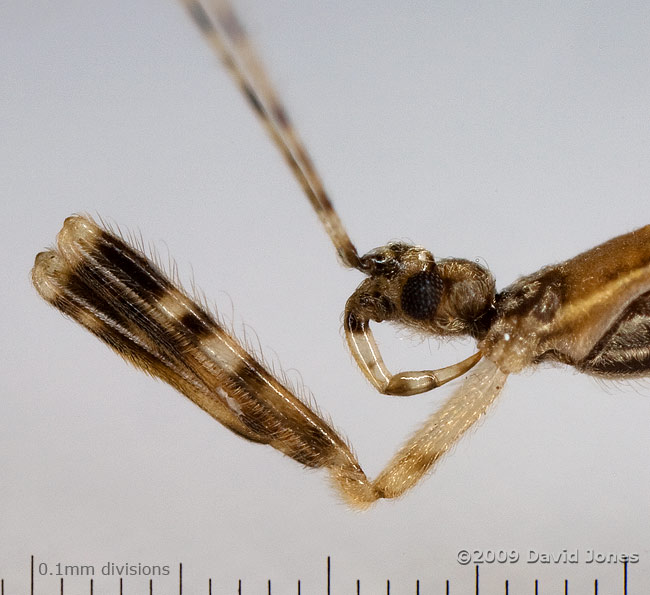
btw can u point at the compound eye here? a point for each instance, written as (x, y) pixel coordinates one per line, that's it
(421, 295)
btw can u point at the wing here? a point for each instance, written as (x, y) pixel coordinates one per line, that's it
(624, 351)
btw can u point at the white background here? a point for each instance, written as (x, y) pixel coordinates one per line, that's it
(514, 133)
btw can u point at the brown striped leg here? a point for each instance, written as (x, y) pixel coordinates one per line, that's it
(124, 299)
(119, 295)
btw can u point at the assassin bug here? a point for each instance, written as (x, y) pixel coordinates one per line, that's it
(590, 312)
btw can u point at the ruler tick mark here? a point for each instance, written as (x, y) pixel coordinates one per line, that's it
(329, 574)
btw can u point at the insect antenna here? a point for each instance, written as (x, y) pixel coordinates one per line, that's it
(228, 39)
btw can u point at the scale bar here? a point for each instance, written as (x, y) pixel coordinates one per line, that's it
(43, 570)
